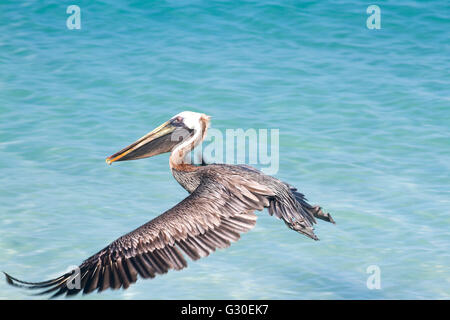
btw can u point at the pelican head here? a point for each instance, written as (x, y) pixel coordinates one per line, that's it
(184, 128)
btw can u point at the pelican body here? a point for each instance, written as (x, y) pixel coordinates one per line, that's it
(220, 206)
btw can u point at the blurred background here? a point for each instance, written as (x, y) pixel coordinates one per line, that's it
(364, 131)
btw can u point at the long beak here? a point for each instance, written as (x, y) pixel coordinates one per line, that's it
(156, 142)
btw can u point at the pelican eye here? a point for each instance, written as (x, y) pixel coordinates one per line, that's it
(177, 121)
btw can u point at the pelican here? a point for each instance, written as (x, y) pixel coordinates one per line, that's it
(219, 208)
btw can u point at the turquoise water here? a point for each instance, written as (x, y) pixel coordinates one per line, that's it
(364, 131)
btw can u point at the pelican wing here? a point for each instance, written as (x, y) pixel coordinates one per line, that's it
(287, 204)
(211, 217)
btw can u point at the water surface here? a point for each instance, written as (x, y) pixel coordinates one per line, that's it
(364, 132)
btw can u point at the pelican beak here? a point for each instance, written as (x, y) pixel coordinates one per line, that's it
(158, 141)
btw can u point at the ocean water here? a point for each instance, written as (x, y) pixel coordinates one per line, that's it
(363, 116)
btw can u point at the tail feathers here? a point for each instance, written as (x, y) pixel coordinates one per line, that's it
(293, 215)
(316, 211)
(292, 207)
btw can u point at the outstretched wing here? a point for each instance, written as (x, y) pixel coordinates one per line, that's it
(211, 217)
(288, 204)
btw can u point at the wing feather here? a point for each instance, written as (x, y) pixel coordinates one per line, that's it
(211, 217)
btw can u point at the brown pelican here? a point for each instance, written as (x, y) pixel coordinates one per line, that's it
(220, 206)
